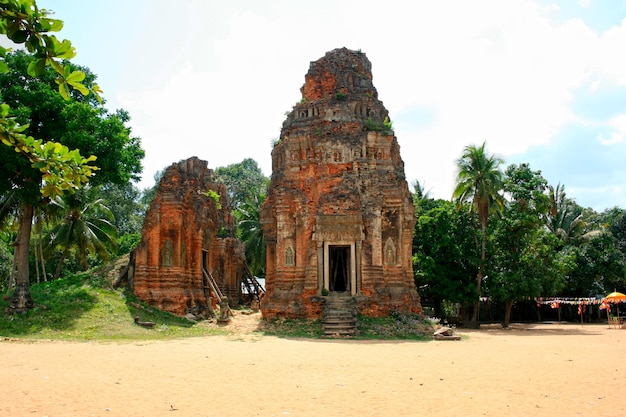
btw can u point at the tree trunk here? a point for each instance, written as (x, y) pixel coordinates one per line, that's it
(539, 312)
(35, 249)
(39, 227)
(479, 277)
(439, 307)
(466, 309)
(507, 314)
(57, 273)
(21, 301)
(43, 261)
(13, 269)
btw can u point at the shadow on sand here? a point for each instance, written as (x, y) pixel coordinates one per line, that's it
(540, 329)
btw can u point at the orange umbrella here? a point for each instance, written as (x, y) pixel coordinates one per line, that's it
(615, 297)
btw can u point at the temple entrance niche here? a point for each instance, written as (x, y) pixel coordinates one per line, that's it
(340, 237)
(339, 269)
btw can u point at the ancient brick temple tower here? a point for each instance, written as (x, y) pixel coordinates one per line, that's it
(184, 243)
(339, 217)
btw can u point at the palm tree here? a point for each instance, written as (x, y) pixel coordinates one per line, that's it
(422, 199)
(564, 217)
(479, 181)
(250, 232)
(85, 227)
(420, 192)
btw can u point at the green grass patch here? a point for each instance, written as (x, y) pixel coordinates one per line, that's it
(394, 327)
(85, 307)
(297, 328)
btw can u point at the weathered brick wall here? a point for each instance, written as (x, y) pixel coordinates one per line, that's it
(180, 232)
(338, 194)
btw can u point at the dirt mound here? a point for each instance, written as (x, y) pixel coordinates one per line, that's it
(111, 270)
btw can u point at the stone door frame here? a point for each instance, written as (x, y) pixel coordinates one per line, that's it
(338, 230)
(326, 267)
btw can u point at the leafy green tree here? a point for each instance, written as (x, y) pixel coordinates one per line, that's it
(124, 201)
(479, 182)
(247, 187)
(564, 217)
(419, 191)
(244, 181)
(83, 124)
(600, 267)
(421, 198)
(249, 231)
(127, 243)
(445, 255)
(22, 22)
(526, 261)
(61, 170)
(148, 194)
(86, 228)
(615, 219)
(592, 240)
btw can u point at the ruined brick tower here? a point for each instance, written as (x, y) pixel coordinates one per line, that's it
(338, 218)
(185, 243)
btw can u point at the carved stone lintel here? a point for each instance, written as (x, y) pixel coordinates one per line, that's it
(338, 227)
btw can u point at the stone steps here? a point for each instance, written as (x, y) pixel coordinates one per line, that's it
(339, 317)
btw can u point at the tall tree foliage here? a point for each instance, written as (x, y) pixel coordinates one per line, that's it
(615, 220)
(564, 217)
(422, 199)
(247, 187)
(600, 267)
(85, 229)
(592, 240)
(445, 255)
(148, 194)
(540, 243)
(244, 181)
(479, 182)
(525, 262)
(248, 217)
(83, 124)
(22, 22)
(124, 201)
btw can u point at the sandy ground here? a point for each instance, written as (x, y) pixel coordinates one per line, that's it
(528, 370)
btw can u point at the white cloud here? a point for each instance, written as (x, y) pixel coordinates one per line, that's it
(617, 123)
(505, 77)
(612, 139)
(611, 63)
(501, 72)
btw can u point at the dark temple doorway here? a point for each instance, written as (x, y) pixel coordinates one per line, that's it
(339, 268)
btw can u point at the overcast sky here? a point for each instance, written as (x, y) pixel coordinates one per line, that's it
(540, 81)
